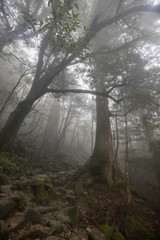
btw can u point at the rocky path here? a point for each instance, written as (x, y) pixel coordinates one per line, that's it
(42, 207)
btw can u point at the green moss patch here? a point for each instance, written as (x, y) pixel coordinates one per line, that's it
(73, 214)
(111, 233)
(135, 230)
(43, 190)
(32, 215)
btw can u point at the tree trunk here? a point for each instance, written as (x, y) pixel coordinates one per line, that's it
(102, 162)
(10, 130)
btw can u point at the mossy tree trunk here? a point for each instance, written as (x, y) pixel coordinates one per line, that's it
(102, 163)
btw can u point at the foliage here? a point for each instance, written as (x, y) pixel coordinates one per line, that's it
(135, 230)
(73, 214)
(43, 189)
(7, 166)
(64, 22)
(111, 233)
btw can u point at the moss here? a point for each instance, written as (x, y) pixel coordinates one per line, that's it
(73, 214)
(7, 208)
(20, 202)
(135, 230)
(7, 165)
(71, 200)
(111, 233)
(32, 215)
(43, 190)
(4, 180)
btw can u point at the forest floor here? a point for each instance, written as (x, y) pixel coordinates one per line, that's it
(53, 206)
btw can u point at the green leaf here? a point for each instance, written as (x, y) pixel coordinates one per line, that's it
(76, 6)
(49, 2)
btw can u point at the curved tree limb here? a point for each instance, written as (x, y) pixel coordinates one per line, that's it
(97, 93)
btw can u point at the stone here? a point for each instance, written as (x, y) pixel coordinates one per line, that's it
(56, 226)
(3, 226)
(6, 189)
(95, 234)
(3, 195)
(60, 216)
(37, 232)
(4, 180)
(51, 237)
(16, 220)
(3, 230)
(7, 205)
(33, 215)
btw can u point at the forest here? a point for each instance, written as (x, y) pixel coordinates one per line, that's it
(79, 120)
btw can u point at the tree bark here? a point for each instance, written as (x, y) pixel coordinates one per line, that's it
(102, 163)
(11, 128)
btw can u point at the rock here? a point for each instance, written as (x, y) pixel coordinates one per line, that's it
(48, 209)
(20, 201)
(6, 189)
(37, 232)
(88, 229)
(3, 226)
(7, 205)
(3, 230)
(60, 216)
(33, 215)
(95, 234)
(3, 195)
(4, 180)
(56, 226)
(51, 237)
(16, 220)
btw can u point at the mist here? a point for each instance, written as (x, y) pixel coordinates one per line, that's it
(79, 117)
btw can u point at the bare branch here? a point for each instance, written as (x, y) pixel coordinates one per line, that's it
(10, 95)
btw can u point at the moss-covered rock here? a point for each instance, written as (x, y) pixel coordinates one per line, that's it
(6, 207)
(135, 230)
(33, 215)
(20, 202)
(43, 190)
(4, 180)
(111, 233)
(7, 165)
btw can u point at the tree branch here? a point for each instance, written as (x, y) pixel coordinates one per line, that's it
(97, 93)
(116, 49)
(116, 18)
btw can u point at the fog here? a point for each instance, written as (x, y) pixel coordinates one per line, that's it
(122, 58)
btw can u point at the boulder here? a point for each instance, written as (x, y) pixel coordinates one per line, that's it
(51, 237)
(95, 234)
(3, 230)
(33, 215)
(4, 180)
(7, 205)
(16, 220)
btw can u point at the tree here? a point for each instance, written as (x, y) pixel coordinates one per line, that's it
(63, 49)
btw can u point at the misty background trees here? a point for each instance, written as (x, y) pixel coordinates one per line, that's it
(53, 53)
